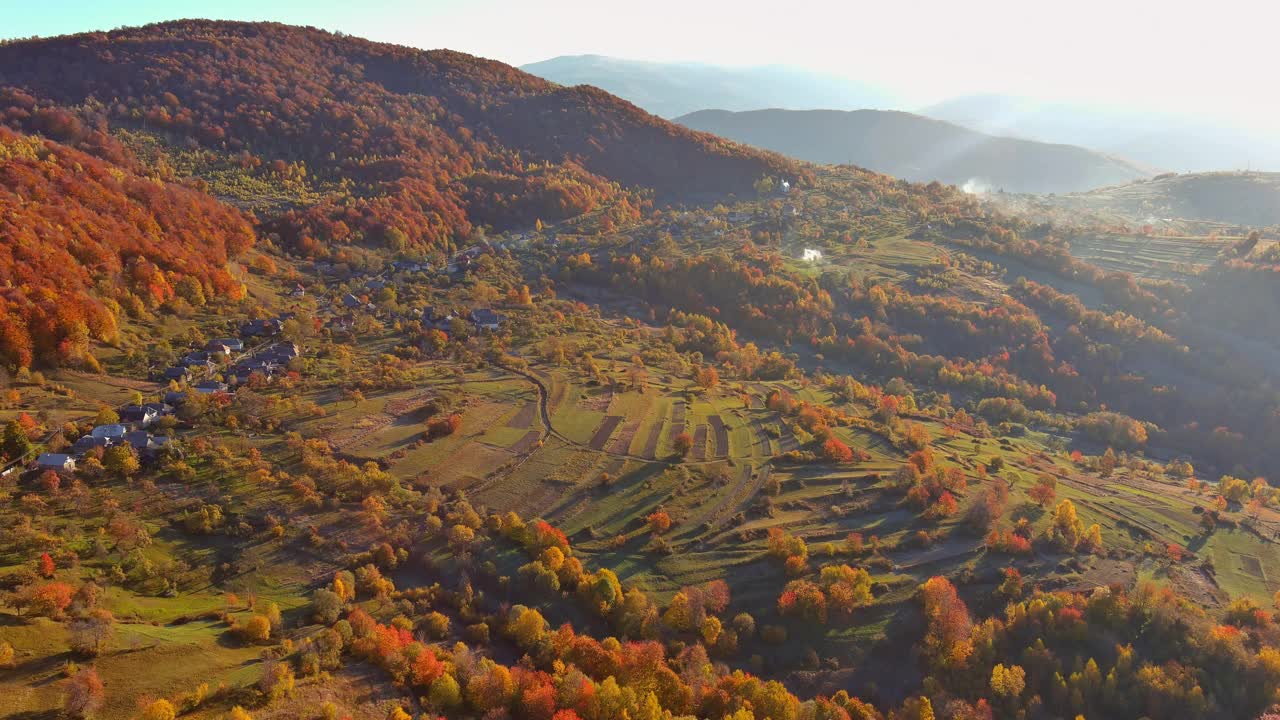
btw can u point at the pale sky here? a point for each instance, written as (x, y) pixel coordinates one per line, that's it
(1211, 58)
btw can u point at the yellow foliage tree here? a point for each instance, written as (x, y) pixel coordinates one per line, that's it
(257, 629)
(711, 630)
(159, 710)
(528, 628)
(445, 693)
(1008, 681)
(679, 615)
(1067, 529)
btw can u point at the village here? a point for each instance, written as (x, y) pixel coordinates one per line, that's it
(256, 356)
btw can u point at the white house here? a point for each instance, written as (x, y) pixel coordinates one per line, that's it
(110, 432)
(140, 415)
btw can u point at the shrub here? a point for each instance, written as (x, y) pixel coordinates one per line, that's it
(682, 443)
(159, 710)
(659, 522)
(256, 630)
(442, 427)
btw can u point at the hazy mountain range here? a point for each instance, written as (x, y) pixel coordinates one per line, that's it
(918, 148)
(674, 89)
(1146, 139)
(1171, 142)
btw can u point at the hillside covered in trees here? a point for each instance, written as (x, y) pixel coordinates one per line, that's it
(88, 243)
(427, 144)
(334, 142)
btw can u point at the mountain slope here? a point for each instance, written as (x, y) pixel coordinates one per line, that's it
(1249, 199)
(83, 241)
(918, 149)
(673, 89)
(396, 147)
(1160, 140)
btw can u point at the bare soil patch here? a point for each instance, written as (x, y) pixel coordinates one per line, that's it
(606, 429)
(1196, 585)
(651, 443)
(524, 418)
(597, 403)
(404, 406)
(621, 443)
(700, 443)
(526, 443)
(721, 436)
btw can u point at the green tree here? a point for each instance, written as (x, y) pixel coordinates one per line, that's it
(106, 416)
(121, 460)
(445, 693)
(16, 443)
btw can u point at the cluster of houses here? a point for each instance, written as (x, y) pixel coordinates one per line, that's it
(462, 261)
(480, 318)
(136, 419)
(131, 430)
(206, 361)
(266, 362)
(347, 304)
(197, 369)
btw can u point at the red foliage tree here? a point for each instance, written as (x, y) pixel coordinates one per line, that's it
(46, 566)
(947, 640)
(682, 443)
(659, 522)
(444, 426)
(836, 451)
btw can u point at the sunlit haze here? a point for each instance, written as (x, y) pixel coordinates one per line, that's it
(1178, 57)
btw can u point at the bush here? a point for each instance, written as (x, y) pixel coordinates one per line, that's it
(442, 427)
(256, 630)
(326, 606)
(682, 444)
(159, 710)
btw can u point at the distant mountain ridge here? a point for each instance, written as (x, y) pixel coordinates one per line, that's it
(920, 149)
(674, 89)
(1162, 140)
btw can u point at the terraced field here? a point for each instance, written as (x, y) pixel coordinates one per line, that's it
(1152, 257)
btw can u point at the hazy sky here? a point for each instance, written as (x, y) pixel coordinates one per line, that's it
(1173, 55)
